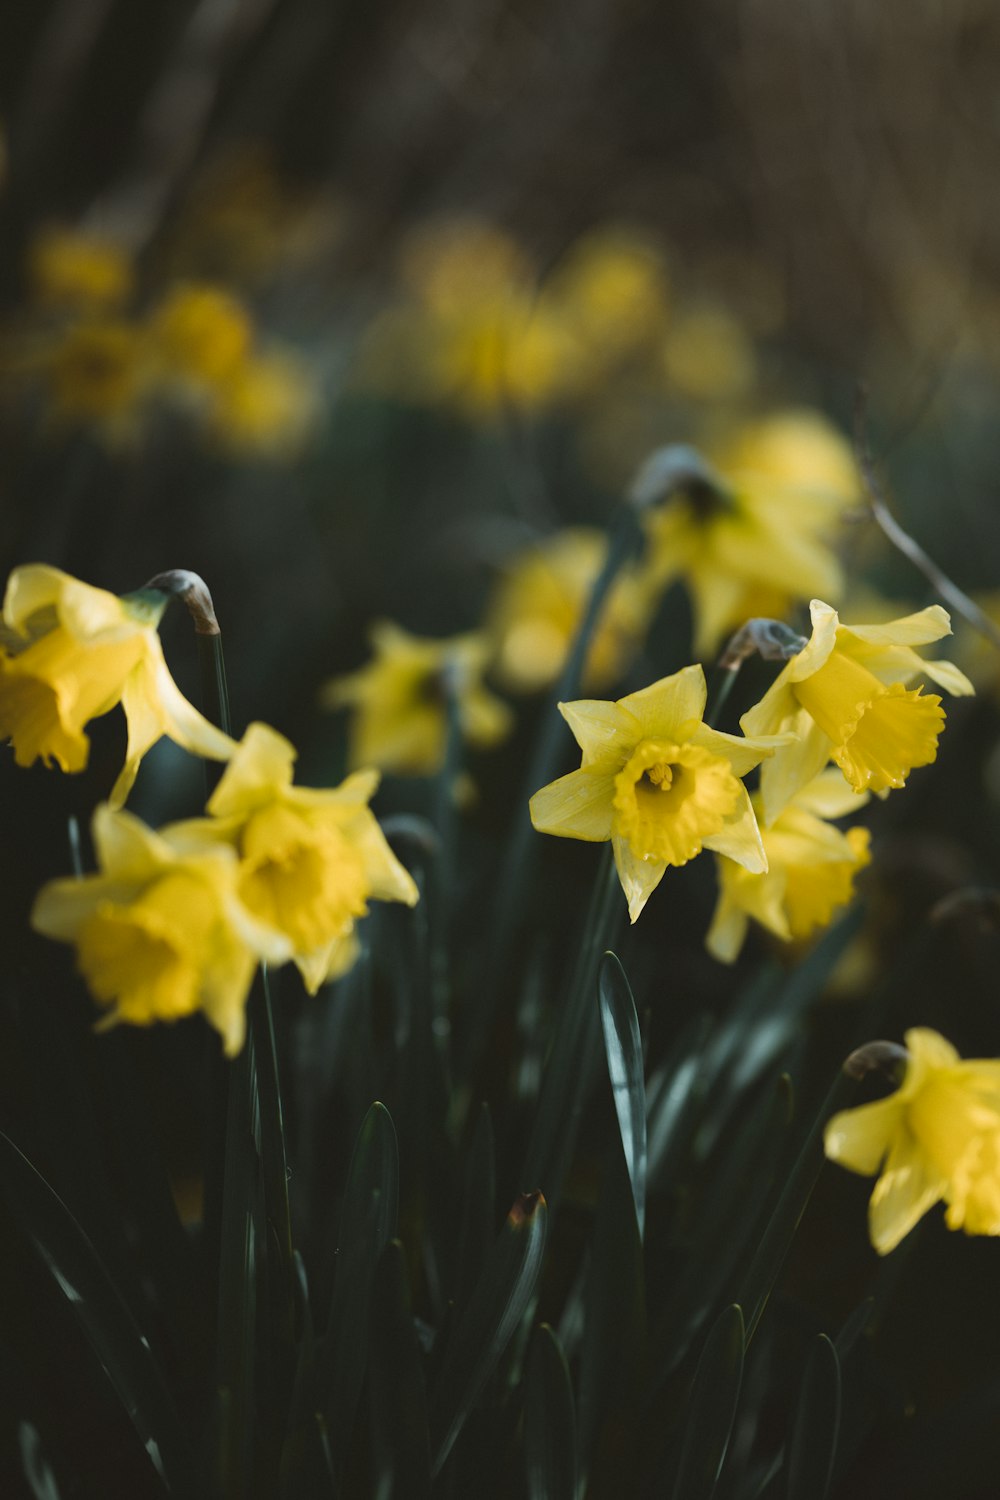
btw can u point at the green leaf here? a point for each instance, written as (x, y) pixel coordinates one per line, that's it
(712, 1408)
(306, 1468)
(549, 1421)
(40, 1478)
(484, 1327)
(367, 1223)
(623, 1047)
(478, 1229)
(813, 1444)
(614, 1338)
(103, 1315)
(398, 1397)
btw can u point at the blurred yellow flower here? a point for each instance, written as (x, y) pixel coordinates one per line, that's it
(160, 933)
(612, 291)
(70, 268)
(537, 606)
(265, 406)
(98, 371)
(748, 538)
(400, 700)
(657, 782)
(310, 860)
(937, 1138)
(69, 653)
(810, 870)
(707, 355)
(843, 696)
(201, 333)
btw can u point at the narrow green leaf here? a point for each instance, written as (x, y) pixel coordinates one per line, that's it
(306, 1467)
(104, 1317)
(398, 1397)
(484, 1327)
(813, 1445)
(712, 1408)
(854, 1326)
(623, 1046)
(40, 1478)
(575, 1052)
(367, 1223)
(549, 1421)
(614, 1337)
(478, 1229)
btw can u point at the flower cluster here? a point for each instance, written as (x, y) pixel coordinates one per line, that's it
(177, 920)
(195, 349)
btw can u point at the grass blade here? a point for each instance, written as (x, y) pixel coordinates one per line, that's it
(549, 1421)
(486, 1324)
(103, 1315)
(712, 1408)
(399, 1402)
(623, 1047)
(813, 1445)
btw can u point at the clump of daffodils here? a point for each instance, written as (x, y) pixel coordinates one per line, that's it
(70, 653)
(811, 869)
(400, 700)
(845, 696)
(935, 1139)
(656, 781)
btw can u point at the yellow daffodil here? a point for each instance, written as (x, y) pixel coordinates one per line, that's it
(937, 1138)
(538, 604)
(657, 782)
(749, 535)
(400, 700)
(612, 290)
(74, 269)
(98, 372)
(201, 333)
(264, 406)
(310, 860)
(69, 653)
(810, 870)
(844, 696)
(708, 355)
(160, 932)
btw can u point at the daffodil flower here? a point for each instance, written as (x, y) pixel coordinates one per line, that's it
(160, 932)
(810, 870)
(400, 700)
(69, 653)
(844, 696)
(937, 1138)
(750, 536)
(657, 782)
(310, 859)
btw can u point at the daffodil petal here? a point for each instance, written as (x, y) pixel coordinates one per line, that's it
(816, 652)
(945, 674)
(830, 796)
(918, 629)
(577, 806)
(262, 762)
(740, 838)
(639, 877)
(181, 720)
(793, 766)
(672, 708)
(727, 932)
(741, 752)
(907, 1188)
(859, 1138)
(126, 845)
(605, 732)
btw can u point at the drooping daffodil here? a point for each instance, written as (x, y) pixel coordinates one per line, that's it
(811, 866)
(657, 782)
(844, 696)
(69, 653)
(401, 700)
(937, 1138)
(311, 859)
(160, 932)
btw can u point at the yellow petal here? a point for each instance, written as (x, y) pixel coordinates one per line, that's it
(908, 1187)
(794, 766)
(260, 768)
(895, 733)
(918, 629)
(860, 1138)
(639, 877)
(606, 732)
(830, 796)
(740, 838)
(672, 708)
(126, 847)
(577, 806)
(742, 753)
(727, 932)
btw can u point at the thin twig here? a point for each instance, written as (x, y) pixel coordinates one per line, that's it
(902, 541)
